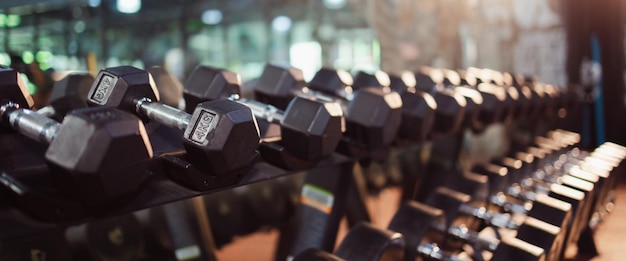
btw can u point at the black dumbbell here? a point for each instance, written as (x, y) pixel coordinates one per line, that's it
(95, 154)
(468, 207)
(605, 159)
(309, 130)
(512, 100)
(474, 99)
(420, 224)
(497, 101)
(450, 104)
(68, 94)
(418, 107)
(464, 206)
(568, 189)
(372, 115)
(485, 103)
(574, 188)
(220, 137)
(524, 85)
(523, 107)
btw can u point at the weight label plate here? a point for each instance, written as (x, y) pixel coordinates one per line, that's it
(104, 88)
(205, 124)
(317, 198)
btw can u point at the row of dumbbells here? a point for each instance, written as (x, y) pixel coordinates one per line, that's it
(100, 153)
(530, 205)
(121, 238)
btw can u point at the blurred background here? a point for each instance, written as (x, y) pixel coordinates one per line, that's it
(550, 39)
(575, 44)
(525, 36)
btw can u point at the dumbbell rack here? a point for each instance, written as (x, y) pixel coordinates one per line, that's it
(27, 184)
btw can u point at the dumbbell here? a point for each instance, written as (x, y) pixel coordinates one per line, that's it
(220, 137)
(372, 115)
(525, 86)
(450, 104)
(418, 108)
(554, 209)
(574, 178)
(519, 100)
(512, 100)
(522, 174)
(309, 130)
(472, 96)
(68, 94)
(545, 98)
(571, 190)
(523, 109)
(494, 106)
(420, 226)
(540, 96)
(461, 206)
(96, 154)
(605, 158)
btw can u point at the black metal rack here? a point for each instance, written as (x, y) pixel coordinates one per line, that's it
(25, 183)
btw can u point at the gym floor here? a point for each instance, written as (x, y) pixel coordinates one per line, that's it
(610, 237)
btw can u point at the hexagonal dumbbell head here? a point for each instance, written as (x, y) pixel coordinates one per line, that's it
(221, 150)
(523, 99)
(474, 99)
(276, 84)
(418, 108)
(472, 109)
(493, 107)
(13, 89)
(331, 81)
(427, 78)
(170, 88)
(451, 78)
(468, 78)
(70, 93)
(450, 111)
(311, 130)
(210, 83)
(373, 117)
(100, 153)
(377, 79)
(511, 102)
(121, 87)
